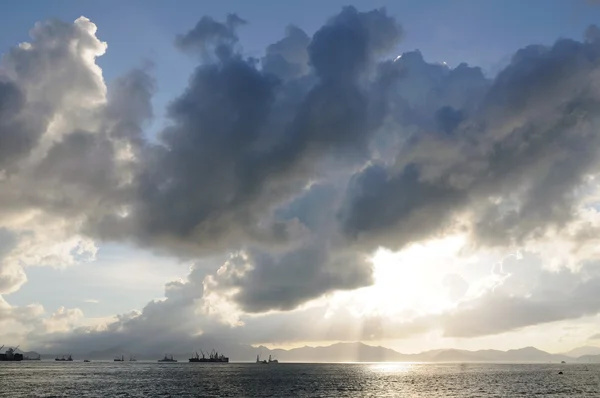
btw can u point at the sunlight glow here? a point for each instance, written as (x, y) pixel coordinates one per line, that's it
(407, 283)
(394, 367)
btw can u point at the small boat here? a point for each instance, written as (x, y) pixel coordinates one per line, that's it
(117, 359)
(132, 359)
(167, 359)
(264, 361)
(86, 360)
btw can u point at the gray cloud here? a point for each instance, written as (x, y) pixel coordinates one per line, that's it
(288, 58)
(11, 276)
(348, 44)
(210, 36)
(549, 297)
(181, 323)
(530, 142)
(282, 282)
(280, 162)
(17, 137)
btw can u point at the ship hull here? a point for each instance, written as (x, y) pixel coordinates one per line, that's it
(13, 358)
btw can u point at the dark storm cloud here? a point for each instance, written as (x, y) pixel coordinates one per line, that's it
(282, 282)
(379, 201)
(530, 141)
(350, 42)
(241, 141)
(448, 119)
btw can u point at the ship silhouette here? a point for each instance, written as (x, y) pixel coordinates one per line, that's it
(264, 361)
(167, 359)
(214, 356)
(11, 354)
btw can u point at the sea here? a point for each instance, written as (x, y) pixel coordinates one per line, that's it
(183, 379)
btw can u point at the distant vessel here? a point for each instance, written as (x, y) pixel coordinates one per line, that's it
(264, 361)
(26, 358)
(259, 361)
(68, 359)
(167, 359)
(11, 355)
(117, 359)
(132, 359)
(562, 362)
(212, 357)
(86, 360)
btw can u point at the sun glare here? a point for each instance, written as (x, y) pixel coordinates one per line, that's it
(409, 282)
(394, 367)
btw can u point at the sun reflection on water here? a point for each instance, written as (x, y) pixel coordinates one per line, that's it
(394, 367)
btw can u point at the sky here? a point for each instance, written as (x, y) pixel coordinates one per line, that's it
(414, 174)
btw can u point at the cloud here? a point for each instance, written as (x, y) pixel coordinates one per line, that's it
(288, 58)
(62, 320)
(296, 168)
(266, 282)
(210, 36)
(215, 183)
(528, 144)
(527, 296)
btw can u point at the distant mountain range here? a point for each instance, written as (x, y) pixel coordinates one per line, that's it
(581, 351)
(359, 352)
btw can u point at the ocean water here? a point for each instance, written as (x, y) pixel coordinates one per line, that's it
(182, 379)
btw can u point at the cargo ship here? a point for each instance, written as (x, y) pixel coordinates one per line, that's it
(122, 359)
(167, 359)
(11, 355)
(63, 359)
(214, 356)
